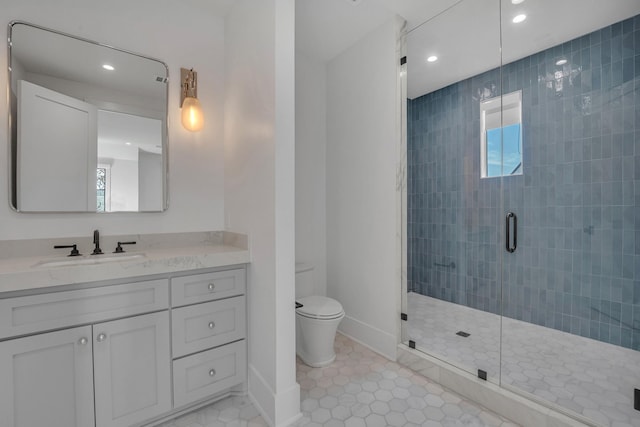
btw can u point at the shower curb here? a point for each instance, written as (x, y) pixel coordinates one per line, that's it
(521, 410)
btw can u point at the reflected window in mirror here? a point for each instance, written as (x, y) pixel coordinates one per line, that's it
(501, 135)
(103, 188)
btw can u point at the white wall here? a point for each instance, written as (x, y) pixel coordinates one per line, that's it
(124, 185)
(311, 147)
(259, 191)
(362, 266)
(149, 175)
(180, 36)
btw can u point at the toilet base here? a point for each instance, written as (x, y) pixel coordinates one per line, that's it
(315, 340)
(317, 364)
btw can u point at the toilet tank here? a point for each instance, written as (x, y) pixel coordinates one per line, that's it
(304, 280)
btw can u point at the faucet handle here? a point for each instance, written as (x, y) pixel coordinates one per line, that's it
(119, 249)
(74, 250)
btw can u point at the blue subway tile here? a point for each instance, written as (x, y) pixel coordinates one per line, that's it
(578, 196)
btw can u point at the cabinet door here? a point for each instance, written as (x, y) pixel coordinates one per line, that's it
(132, 369)
(47, 380)
(57, 151)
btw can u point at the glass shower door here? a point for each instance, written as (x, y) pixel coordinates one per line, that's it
(453, 206)
(571, 284)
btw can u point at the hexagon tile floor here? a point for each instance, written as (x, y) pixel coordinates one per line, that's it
(592, 378)
(359, 389)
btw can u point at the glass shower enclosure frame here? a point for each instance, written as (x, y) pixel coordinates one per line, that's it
(522, 250)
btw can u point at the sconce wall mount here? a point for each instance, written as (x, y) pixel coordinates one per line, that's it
(192, 116)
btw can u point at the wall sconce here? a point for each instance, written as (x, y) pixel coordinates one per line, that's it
(192, 117)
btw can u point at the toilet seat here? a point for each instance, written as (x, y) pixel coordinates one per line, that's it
(318, 307)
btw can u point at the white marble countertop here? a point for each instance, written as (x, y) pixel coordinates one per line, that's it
(28, 272)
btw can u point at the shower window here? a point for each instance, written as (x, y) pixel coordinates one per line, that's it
(501, 135)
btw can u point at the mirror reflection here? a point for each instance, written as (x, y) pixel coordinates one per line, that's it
(88, 125)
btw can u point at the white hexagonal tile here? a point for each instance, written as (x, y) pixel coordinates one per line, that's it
(320, 415)
(400, 393)
(433, 400)
(399, 405)
(452, 411)
(380, 408)
(383, 395)
(375, 420)
(340, 413)
(309, 405)
(361, 410)
(329, 402)
(355, 422)
(416, 402)
(365, 397)
(434, 414)
(369, 386)
(395, 419)
(317, 392)
(414, 416)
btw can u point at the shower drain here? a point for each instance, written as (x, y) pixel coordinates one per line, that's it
(463, 334)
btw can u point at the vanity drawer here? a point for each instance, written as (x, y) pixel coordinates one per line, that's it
(206, 287)
(201, 326)
(37, 313)
(204, 374)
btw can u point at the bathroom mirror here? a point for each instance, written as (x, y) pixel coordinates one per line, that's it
(88, 125)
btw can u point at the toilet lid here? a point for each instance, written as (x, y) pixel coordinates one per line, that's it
(319, 307)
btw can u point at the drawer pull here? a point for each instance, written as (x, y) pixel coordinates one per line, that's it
(212, 286)
(101, 337)
(212, 325)
(83, 341)
(212, 373)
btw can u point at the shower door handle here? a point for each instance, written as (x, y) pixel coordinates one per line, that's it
(508, 221)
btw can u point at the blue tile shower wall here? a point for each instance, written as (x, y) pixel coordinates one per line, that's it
(577, 266)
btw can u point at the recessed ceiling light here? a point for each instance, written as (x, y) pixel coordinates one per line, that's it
(516, 1)
(561, 62)
(519, 18)
(108, 67)
(432, 58)
(127, 143)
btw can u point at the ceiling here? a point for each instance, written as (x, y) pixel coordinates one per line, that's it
(52, 54)
(464, 34)
(214, 7)
(467, 37)
(325, 28)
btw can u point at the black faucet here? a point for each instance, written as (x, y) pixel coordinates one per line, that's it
(96, 241)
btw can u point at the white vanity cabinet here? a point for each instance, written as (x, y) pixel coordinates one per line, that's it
(121, 355)
(208, 334)
(51, 379)
(47, 380)
(131, 369)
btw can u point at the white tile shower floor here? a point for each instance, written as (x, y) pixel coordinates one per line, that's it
(589, 377)
(359, 389)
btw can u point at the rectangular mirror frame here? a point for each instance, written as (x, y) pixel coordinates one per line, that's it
(12, 127)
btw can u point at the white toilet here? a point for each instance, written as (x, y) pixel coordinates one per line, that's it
(317, 320)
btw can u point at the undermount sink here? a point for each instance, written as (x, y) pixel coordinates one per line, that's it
(89, 260)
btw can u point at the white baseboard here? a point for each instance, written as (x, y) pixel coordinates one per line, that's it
(377, 340)
(261, 396)
(278, 410)
(288, 406)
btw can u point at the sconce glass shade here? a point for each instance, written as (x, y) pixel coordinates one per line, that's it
(192, 117)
